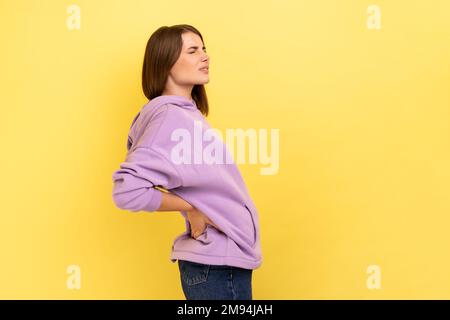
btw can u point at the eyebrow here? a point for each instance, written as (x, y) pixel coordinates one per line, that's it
(195, 47)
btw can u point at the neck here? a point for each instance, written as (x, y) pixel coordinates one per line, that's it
(184, 92)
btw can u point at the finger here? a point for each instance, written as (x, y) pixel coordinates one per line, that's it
(212, 223)
(208, 221)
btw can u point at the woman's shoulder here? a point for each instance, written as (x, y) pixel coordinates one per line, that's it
(158, 125)
(167, 110)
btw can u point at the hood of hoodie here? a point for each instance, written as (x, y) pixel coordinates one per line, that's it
(153, 104)
(180, 101)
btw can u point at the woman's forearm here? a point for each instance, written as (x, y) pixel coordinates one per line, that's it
(172, 202)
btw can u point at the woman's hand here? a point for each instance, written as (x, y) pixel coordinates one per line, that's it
(198, 221)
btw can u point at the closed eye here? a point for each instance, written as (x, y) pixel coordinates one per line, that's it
(204, 49)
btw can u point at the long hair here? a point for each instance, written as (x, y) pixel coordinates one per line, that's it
(162, 51)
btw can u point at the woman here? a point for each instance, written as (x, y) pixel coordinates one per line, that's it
(168, 169)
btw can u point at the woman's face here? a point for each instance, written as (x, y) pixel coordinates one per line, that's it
(187, 70)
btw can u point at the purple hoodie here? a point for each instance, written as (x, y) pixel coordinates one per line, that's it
(216, 189)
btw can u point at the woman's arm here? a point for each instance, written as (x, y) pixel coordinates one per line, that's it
(135, 183)
(172, 202)
(197, 219)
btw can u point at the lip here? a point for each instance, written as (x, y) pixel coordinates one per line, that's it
(204, 69)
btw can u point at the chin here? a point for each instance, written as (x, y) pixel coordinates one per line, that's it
(202, 82)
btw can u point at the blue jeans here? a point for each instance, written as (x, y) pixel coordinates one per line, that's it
(212, 282)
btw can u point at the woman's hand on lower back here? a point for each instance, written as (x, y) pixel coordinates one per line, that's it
(198, 221)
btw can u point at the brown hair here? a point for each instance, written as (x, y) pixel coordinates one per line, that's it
(162, 51)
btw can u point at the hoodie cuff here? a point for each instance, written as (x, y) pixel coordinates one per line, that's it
(155, 201)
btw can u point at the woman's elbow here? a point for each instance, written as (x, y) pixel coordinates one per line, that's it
(138, 203)
(120, 201)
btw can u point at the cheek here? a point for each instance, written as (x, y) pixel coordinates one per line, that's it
(184, 68)
(188, 62)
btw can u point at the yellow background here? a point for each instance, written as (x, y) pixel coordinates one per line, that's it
(364, 119)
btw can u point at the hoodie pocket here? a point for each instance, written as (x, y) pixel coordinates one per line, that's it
(204, 236)
(253, 223)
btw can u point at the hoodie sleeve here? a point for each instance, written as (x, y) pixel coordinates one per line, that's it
(143, 169)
